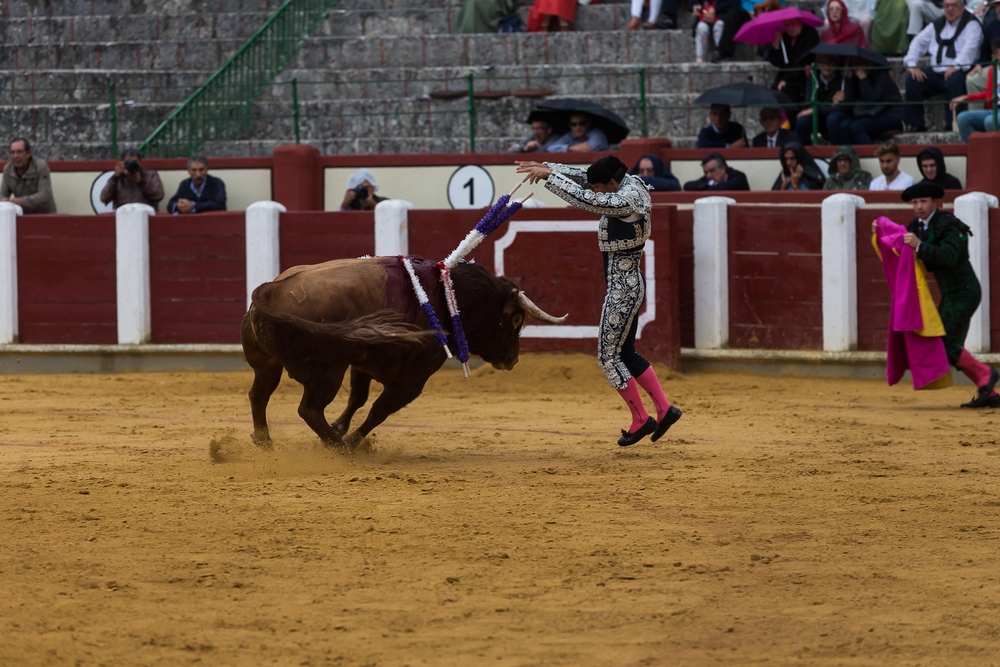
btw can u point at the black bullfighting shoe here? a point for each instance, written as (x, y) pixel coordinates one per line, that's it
(669, 419)
(632, 438)
(984, 399)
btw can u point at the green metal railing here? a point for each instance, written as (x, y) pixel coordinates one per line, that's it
(222, 107)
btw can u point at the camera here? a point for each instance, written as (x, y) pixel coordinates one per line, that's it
(131, 166)
(361, 192)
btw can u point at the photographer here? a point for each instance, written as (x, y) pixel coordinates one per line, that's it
(131, 184)
(360, 196)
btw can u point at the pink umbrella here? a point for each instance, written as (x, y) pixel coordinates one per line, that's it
(761, 29)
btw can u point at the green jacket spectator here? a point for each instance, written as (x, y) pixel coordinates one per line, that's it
(27, 180)
(846, 172)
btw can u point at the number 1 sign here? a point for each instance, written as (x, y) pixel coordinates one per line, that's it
(470, 187)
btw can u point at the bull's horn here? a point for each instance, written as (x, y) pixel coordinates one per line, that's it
(537, 312)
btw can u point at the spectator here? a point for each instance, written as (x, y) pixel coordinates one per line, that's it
(889, 25)
(953, 43)
(847, 173)
(200, 192)
(840, 29)
(710, 20)
(131, 184)
(635, 9)
(655, 174)
(582, 136)
(975, 81)
(27, 181)
(718, 176)
(360, 195)
(830, 87)
(922, 12)
(789, 53)
(931, 163)
(888, 161)
(551, 15)
(483, 16)
(773, 136)
(542, 135)
(798, 169)
(721, 133)
(873, 106)
(980, 120)
(739, 13)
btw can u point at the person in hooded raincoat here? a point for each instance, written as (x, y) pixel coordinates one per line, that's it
(846, 172)
(798, 169)
(888, 31)
(841, 29)
(931, 163)
(655, 174)
(478, 16)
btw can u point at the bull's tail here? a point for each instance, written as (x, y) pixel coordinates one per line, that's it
(383, 327)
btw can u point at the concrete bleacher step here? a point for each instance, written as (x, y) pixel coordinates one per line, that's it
(51, 8)
(110, 29)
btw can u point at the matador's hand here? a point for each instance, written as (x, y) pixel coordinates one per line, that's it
(911, 240)
(536, 171)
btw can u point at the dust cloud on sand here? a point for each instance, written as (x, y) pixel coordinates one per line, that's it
(494, 521)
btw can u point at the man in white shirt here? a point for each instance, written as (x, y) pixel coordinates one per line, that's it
(888, 161)
(952, 42)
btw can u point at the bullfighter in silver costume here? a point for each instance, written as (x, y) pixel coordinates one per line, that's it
(624, 204)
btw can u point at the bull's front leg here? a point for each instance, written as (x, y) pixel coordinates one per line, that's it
(395, 396)
(360, 386)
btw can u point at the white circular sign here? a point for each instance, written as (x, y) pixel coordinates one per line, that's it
(470, 187)
(95, 193)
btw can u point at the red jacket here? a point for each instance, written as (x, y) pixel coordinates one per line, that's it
(987, 94)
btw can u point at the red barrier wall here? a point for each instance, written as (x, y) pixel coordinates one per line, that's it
(995, 279)
(685, 275)
(312, 237)
(66, 279)
(197, 277)
(775, 278)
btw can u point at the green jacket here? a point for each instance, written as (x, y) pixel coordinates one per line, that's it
(855, 179)
(944, 250)
(34, 186)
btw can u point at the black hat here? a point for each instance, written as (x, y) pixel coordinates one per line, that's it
(606, 169)
(923, 189)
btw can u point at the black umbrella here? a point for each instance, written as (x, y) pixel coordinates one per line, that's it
(613, 126)
(744, 94)
(850, 51)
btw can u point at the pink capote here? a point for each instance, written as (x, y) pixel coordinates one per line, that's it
(924, 356)
(846, 32)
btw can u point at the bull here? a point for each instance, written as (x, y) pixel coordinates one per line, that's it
(315, 321)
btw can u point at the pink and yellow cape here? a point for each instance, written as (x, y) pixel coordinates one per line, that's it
(915, 328)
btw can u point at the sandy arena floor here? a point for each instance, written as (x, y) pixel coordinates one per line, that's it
(786, 521)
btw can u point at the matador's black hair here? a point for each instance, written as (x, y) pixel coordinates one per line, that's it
(606, 169)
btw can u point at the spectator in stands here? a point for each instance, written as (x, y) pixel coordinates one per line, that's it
(655, 174)
(975, 80)
(847, 173)
(922, 12)
(582, 136)
(798, 169)
(27, 181)
(840, 29)
(830, 92)
(654, 8)
(710, 18)
(360, 195)
(790, 53)
(200, 192)
(889, 24)
(718, 176)
(952, 42)
(739, 13)
(721, 132)
(888, 161)
(551, 15)
(542, 135)
(773, 136)
(483, 16)
(131, 184)
(980, 120)
(931, 163)
(872, 106)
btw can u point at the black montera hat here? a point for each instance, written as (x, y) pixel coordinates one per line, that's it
(606, 169)
(923, 189)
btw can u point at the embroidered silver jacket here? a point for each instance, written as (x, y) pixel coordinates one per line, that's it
(632, 198)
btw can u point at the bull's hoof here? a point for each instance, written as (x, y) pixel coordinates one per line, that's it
(338, 427)
(358, 443)
(264, 442)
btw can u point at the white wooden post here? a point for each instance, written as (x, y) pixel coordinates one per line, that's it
(8, 271)
(392, 235)
(132, 260)
(974, 210)
(711, 272)
(263, 222)
(840, 272)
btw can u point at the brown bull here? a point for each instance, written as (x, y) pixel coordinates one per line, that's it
(315, 321)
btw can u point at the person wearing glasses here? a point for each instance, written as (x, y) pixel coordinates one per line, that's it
(582, 137)
(27, 181)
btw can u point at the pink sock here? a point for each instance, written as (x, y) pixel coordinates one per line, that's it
(651, 385)
(974, 369)
(630, 394)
